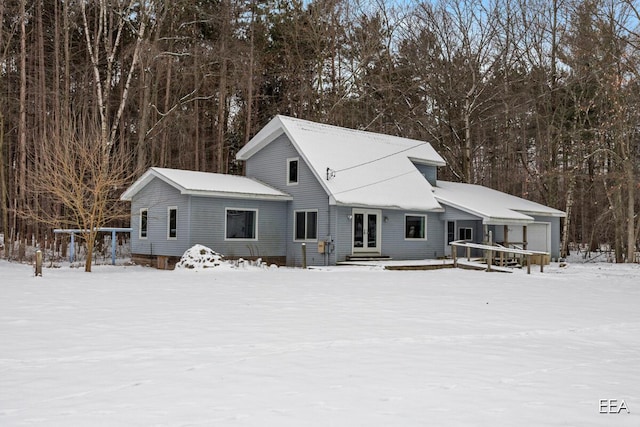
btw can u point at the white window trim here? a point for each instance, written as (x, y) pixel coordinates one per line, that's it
(231, 239)
(169, 209)
(140, 236)
(305, 225)
(470, 239)
(405, 227)
(289, 160)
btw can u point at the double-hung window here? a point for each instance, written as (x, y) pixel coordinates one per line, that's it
(465, 233)
(241, 224)
(305, 225)
(172, 222)
(415, 227)
(144, 223)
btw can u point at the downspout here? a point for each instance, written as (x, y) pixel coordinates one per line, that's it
(190, 237)
(327, 248)
(335, 237)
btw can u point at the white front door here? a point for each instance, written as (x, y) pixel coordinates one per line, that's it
(366, 230)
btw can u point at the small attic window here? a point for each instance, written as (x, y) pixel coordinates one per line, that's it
(292, 171)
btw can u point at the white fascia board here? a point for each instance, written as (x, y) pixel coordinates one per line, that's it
(234, 195)
(427, 162)
(555, 213)
(462, 208)
(506, 221)
(488, 219)
(136, 186)
(145, 179)
(333, 202)
(270, 132)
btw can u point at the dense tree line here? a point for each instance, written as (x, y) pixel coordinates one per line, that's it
(538, 98)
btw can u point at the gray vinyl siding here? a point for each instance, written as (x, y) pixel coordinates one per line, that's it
(393, 243)
(396, 246)
(461, 219)
(208, 227)
(429, 172)
(343, 239)
(454, 214)
(201, 220)
(156, 197)
(269, 165)
(477, 233)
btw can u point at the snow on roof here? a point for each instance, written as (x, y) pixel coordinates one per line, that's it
(207, 184)
(363, 168)
(495, 207)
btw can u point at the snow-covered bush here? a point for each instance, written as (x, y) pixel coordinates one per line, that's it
(200, 257)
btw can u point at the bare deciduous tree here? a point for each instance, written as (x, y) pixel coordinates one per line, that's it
(74, 173)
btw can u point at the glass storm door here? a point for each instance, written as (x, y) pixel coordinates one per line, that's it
(366, 231)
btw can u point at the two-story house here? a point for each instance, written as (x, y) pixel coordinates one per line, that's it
(341, 193)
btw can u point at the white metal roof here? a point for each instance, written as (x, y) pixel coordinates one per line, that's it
(207, 184)
(357, 168)
(494, 207)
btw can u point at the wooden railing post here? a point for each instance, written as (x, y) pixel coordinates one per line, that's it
(454, 250)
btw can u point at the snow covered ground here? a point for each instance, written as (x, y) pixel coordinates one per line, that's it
(347, 346)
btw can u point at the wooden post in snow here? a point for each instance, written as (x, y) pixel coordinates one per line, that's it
(454, 251)
(39, 263)
(304, 255)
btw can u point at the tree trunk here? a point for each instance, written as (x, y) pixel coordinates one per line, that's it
(222, 88)
(466, 151)
(564, 252)
(4, 202)
(22, 123)
(631, 201)
(249, 107)
(145, 80)
(90, 241)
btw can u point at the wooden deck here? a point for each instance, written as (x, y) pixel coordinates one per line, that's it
(426, 264)
(389, 264)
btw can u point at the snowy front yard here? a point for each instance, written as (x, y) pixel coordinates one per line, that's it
(131, 346)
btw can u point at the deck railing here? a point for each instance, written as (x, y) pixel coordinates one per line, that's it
(491, 249)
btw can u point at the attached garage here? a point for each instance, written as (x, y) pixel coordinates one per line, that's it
(503, 215)
(539, 236)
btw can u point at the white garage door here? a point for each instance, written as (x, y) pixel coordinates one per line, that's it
(539, 236)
